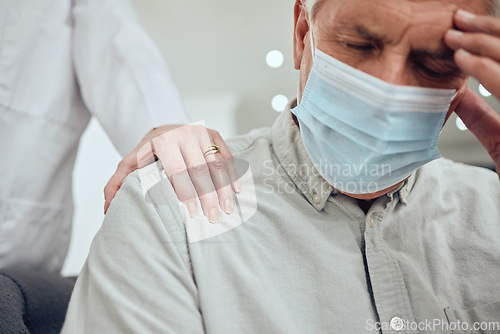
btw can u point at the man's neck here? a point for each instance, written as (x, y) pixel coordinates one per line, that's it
(365, 205)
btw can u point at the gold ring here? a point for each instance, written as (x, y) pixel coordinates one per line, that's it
(212, 149)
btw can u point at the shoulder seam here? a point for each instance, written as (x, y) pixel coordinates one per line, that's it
(247, 144)
(177, 233)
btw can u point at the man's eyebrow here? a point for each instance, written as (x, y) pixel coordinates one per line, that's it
(365, 33)
(360, 30)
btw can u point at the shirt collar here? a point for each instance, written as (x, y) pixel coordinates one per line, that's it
(403, 190)
(293, 157)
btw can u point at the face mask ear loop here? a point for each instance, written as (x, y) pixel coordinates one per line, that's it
(312, 43)
(312, 49)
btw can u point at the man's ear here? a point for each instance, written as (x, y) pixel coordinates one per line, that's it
(458, 98)
(300, 31)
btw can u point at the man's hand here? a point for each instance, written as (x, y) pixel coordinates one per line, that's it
(181, 150)
(477, 46)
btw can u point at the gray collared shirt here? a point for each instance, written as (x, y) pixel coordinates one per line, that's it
(295, 257)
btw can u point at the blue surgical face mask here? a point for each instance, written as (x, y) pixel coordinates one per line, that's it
(363, 134)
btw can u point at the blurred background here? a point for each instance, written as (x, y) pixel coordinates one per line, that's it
(232, 63)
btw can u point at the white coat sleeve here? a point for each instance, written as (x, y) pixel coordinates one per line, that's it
(123, 78)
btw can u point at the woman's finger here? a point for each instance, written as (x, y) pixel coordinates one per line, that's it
(125, 167)
(167, 150)
(228, 159)
(218, 171)
(470, 22)
(478, 43)
(199, 173)
(145, 155)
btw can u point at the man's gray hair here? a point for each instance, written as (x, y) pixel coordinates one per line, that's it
(312, 7)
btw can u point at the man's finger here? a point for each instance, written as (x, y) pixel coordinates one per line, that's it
(482, 121)
(484, 69)
(477, 43)
(470, 22)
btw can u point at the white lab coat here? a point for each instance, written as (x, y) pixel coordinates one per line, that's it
(61, 62)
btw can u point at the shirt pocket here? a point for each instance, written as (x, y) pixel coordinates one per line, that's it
(483, 319)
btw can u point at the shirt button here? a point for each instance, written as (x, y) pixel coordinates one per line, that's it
(316, 199)
(397, 324)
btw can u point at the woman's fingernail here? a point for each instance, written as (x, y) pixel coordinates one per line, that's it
(465, 15)
(192, 209)
(228, 206)
(463, 53)
(213, 216)
(236, 186)
(454, 33)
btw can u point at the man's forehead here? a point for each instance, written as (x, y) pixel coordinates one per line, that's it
(385, 20)
(475, 6)
(431, 47)
(389, 20)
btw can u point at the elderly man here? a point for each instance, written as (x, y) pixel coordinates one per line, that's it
(344, 225)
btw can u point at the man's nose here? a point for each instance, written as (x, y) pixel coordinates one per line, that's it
(392, 70)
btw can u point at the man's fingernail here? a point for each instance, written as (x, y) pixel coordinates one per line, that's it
(213, 216)
(192, 209)
(454, 33)
(228, 206)
(236, 186)
(463, 53)
(465, 15)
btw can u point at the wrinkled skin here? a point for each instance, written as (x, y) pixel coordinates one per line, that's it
(411, 43)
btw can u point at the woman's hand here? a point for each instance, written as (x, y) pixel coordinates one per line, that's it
(477, 46)
(182, 150)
